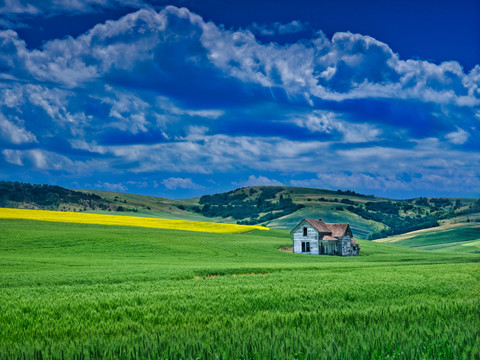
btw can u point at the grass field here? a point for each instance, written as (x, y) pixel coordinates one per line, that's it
(90, 291)
(464, 237)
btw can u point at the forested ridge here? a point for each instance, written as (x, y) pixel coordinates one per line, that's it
(47, 197)
(251, 207)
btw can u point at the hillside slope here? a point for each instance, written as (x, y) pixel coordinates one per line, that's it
(370, 217)
(461, 237)
(273, 206)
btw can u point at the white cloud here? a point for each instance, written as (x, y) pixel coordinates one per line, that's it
(174, 183)
(166, 104)
(55, 7)
(386, 181)
(54, 102)
(458, 137)
(328, 122)
(18, 7)
(212, 153)
(260, 181)
(115, 187)
(348, 66)
(78, 89)
(128, 109)
(39, 159)
(13, 133)
(13, 156)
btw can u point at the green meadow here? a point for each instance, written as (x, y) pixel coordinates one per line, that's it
(464, 237)
(77, 291)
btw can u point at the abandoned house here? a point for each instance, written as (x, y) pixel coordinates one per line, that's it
(313, 236)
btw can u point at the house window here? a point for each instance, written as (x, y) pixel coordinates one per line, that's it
(305, 231)
(306, 246)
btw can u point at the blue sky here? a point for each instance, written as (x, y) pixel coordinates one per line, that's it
(184, 98)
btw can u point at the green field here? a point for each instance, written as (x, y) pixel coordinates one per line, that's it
(100, 292)
(464, 237)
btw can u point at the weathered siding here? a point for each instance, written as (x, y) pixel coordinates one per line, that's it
(355, 250)
(345, 244)
(312, 237)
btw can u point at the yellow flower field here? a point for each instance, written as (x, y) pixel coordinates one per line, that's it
(85, 218)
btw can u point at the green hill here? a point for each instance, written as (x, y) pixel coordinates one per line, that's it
(370, 217)
(274, 206)
(461, 237)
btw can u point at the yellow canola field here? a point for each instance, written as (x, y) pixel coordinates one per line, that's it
(85, 218)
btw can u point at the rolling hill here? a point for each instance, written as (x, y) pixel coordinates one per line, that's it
(461, 237)
(277, 207)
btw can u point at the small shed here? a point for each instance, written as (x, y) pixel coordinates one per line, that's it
(315, 237)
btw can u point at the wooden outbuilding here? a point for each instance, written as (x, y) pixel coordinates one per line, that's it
(313, 236)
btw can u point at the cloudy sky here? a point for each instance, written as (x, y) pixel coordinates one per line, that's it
(183, 98)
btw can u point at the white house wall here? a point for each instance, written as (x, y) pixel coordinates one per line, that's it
(312, 237)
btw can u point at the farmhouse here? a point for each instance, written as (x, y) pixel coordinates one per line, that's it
(313, 236)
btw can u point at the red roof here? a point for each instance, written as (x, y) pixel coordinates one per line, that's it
(330, 231)
(319, 225)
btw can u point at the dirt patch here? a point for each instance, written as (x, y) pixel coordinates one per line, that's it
(286, 249)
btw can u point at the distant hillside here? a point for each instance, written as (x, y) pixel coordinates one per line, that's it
(47, 197)
(463, 237)
(369, 216)
(278, 207)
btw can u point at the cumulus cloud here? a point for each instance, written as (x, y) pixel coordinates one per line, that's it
(174, 183)
(349, 66)
(169, 92)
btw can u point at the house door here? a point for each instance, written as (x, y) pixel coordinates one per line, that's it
(322, 249)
